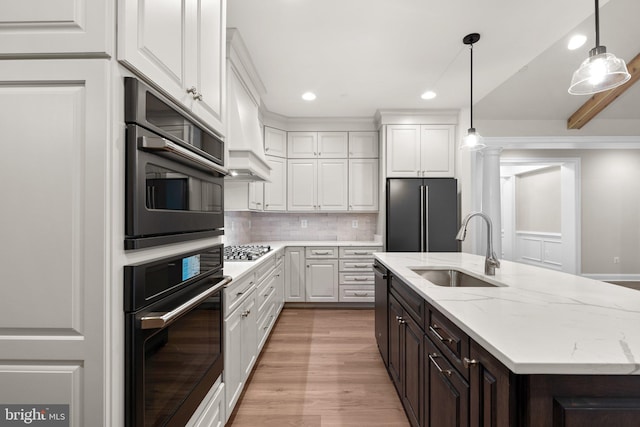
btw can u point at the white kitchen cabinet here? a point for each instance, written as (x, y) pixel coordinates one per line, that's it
(317, 185)
(240, 349)
(302, 145)
(356, 274)
(363, 145)
(275, 192)
(275, 142)
(332, 145)
(302, 179)
(211, 412)
(256, 195)
(311, 145)
(363, 184)
(420, 150)
(45, 27)
(56, 228)
(179, 46)
(321, 280)
(294, 274)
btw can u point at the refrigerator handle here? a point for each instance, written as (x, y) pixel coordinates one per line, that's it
(425, 218)
(422, 218)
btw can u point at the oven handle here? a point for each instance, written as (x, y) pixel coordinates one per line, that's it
(161, 320)
(161, 144)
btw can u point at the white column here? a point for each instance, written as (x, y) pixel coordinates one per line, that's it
(491, 204)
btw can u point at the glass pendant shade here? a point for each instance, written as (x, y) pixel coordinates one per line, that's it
(473, 141)
(599, 72)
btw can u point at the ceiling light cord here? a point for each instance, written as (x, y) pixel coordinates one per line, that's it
(597, 24)
(471, 87)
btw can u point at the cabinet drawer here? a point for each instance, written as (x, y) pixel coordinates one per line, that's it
(409, 299)
(265, 323)
(357, 279)
(363, 265)
(450, 339)
(356, 293)
(322, 252)
(264, 268)
(265, 295)
(358, 252)
(235, 293)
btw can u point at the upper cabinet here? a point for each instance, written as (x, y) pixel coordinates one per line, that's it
(420, 150)
(275, 142)
(178, 46)
(44, 27)
(363, 145)
(309, 145)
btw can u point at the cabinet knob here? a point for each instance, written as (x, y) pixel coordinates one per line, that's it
(246, 313)
(469, 362)
(192, 90)
(198, 96)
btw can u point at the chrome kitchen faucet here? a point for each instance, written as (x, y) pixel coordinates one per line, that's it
(491, 261)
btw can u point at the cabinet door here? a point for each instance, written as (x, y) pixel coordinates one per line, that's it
(294, 274)
(322, 281)
(412, 369)
(208, 63)
(60, 144)
(363, 145)
(275, 142)
(395, 342)
(363, 184)
(275, 192)
(233, 370)
(332, 145)
(302, 185)
(302, 145)
(437, 150)
(249, 335)
(490, 391)
(279, 285)
(333, 176)
(403, 151)
(446, 393)
(256, 195)
(152, 40)
(39, 27)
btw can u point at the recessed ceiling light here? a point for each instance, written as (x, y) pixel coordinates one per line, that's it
(308, 96)
(428, 95)
(576, 41)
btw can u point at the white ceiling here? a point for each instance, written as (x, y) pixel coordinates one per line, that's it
(360, 56)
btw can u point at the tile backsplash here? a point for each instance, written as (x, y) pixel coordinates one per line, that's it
(245, 227)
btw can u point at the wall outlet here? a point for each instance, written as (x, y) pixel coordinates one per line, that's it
(354, 223)
(616, 260)
(303, 223)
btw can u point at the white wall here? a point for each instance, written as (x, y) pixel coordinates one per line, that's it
(538, 200)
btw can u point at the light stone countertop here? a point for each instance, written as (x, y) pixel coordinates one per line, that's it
(540, 321)
(238, 269)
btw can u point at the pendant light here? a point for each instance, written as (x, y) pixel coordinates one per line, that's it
(473, 140)
(600, 71)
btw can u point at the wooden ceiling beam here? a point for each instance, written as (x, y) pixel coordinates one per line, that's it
(600, 101)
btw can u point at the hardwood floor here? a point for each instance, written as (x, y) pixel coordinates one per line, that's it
(320, 367)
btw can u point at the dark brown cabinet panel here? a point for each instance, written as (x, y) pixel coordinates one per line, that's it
(446, 393)
(491, 391)
(412, 376)
(395, 344)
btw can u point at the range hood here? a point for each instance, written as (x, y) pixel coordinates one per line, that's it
(246, 160)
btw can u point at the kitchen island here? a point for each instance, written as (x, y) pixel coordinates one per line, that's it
(538, 348)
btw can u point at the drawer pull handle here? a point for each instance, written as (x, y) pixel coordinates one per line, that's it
(361, 253)
(246, 313)
(432, 358)
(401, 320)
(469, 362)
(360, 279)
(361, 265)
(361, 294)
(322, 252)
(265, 328)
(433, 328)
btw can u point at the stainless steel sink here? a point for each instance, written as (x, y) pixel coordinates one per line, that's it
(451, 278)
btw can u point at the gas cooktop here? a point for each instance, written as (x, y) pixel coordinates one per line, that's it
(245, 252)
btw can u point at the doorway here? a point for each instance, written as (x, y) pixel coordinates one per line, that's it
(541, 212)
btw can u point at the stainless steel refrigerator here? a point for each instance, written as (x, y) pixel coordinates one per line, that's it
(422, 215)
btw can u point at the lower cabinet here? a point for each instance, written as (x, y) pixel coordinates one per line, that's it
(240, 349)
(446, 392)
(294, 272)
(321, 280)
(446, 379)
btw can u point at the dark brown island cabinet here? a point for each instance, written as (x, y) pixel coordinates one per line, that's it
(445, 379)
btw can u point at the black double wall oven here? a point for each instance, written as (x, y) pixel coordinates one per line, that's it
(174, 172)
(173, 336)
